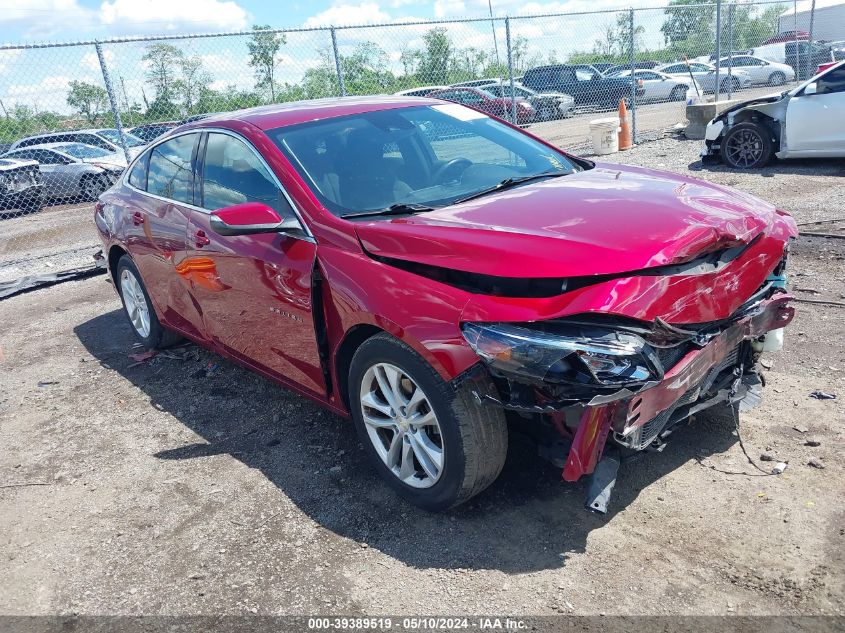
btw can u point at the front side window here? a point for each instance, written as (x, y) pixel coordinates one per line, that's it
(423, 155)
(233, 174)
(833, 81)
(170, 173)
(583, 75)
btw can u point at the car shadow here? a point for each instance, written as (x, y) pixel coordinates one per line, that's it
(792, 166)
(527, 520)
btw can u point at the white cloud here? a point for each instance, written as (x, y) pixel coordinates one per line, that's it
(45, 18)
(92, 62)
(122, 16)
(348, 14)
(8, 58)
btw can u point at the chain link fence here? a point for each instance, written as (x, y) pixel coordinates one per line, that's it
(74, 114)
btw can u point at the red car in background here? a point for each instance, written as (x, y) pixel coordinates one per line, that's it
(436, 273)
(485, 101)
(787, 36)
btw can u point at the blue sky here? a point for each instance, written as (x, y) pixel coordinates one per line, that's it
(63, 20)
(40, 78)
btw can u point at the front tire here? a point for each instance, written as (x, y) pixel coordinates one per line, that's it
(138, 307)
(777, 79)
(679, 93)
(431, 441)
(747, 146)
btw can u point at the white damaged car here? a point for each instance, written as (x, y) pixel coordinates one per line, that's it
(805, 122)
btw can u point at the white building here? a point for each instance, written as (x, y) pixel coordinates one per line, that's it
(828, 23)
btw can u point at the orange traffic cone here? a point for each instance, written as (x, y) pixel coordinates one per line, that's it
(625, 140)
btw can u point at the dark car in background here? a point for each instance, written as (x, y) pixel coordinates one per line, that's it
(586, 84)
(152, 131)
(20, 185)
(480, 99)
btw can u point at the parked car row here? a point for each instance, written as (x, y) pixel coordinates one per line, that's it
(495, 96)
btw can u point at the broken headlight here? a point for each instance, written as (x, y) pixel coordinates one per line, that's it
(572, 354)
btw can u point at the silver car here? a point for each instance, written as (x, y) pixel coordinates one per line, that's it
(705, 75)
(107, 139)
(73, 170)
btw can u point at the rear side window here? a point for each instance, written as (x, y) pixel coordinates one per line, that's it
(170, 173)
(138, 175)
(92, 139)
(233, 174)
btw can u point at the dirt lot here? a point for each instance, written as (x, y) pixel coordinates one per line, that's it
(166, 488)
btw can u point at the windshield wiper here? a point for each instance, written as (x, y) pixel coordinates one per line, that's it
(402, 208)
(507, 183)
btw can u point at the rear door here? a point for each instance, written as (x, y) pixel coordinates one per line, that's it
(162, 182)
(254, 290)
(815, 124)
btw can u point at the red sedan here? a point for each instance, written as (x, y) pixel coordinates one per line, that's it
(485, 101)
(435, 273)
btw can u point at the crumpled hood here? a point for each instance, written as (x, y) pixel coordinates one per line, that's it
(606, 220)
(777, 96)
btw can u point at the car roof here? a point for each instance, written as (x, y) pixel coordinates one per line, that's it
(283, 114)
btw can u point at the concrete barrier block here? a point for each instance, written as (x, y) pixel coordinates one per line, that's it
(700, 114)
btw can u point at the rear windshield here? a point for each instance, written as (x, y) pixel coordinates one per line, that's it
(114, 137)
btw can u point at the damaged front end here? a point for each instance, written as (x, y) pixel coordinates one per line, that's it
(767, 112)
(604, 386)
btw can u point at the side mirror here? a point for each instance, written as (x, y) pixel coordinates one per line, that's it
(811, 89)
(250, 218)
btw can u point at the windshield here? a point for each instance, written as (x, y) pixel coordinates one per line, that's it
(423, 155)
(78, 150)
(114, 137)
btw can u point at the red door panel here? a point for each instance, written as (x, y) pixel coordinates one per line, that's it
(255, 296)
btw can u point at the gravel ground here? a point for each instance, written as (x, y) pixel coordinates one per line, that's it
(185, 485)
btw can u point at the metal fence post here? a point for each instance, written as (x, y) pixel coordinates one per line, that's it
(112, 100)
(632, 60)
(340, 83)
(798, 65)
(730, 48)
(718, 47)
(510, 69)
(810, 40)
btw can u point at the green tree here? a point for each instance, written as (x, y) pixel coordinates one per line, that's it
(435, 58)
(192, 79)
(694, 26)
(263, 48)
(163, 62)
(88, 99)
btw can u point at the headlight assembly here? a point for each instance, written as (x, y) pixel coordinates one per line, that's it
(575, 354)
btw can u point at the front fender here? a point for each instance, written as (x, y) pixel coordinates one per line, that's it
(420, 312)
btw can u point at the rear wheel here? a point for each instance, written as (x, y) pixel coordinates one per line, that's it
(747, 145)
(138, 307)
(92, 187)
(433, 442)
(777, 79)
